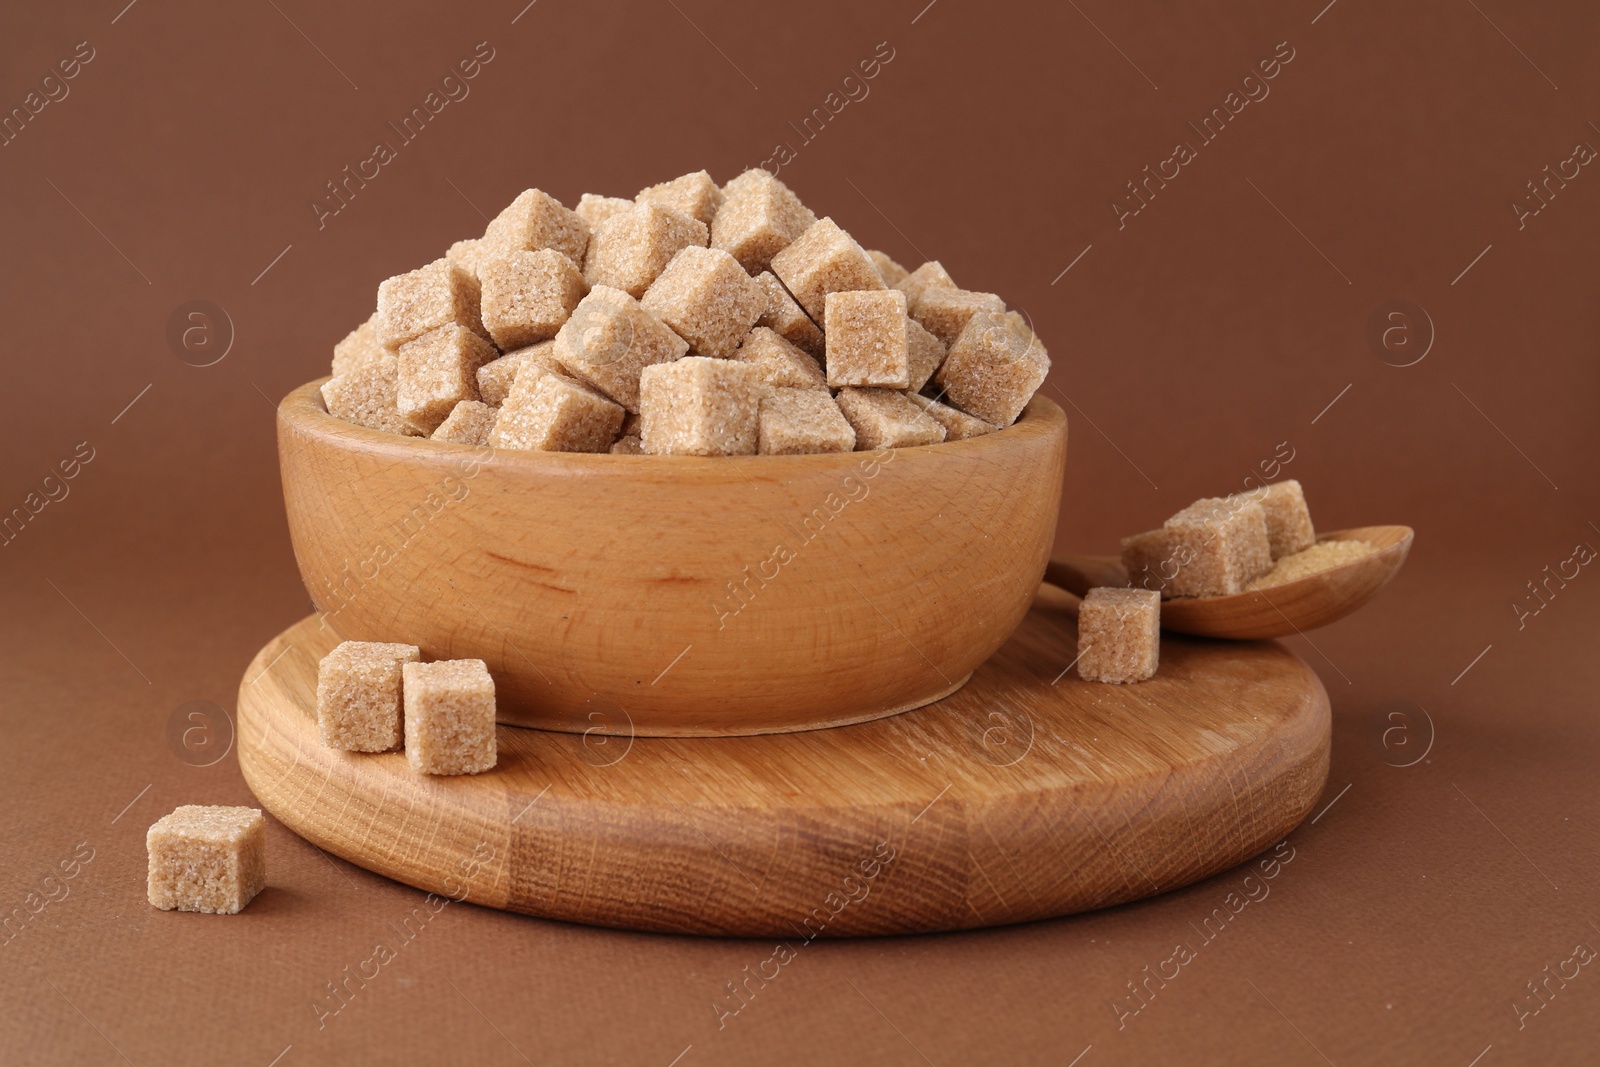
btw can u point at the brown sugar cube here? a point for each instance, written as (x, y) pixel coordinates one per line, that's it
(528, 295)
(884, 418)
(891, 272)
(411, 304)
(437, 371)
(787, 319)
(1289, 528)
(631, 248)
(694, 195)
(931, 275)
(1148, 561)
(496, 376)
(358, 695)
(609, 339)
(469, 423)
(549, 412)
(945, 312)
(825, 259)
(464, 255)
(796, 421)
(1219, 545)
(925, 351)
(359, 347)
(369, 396)
(958, 425)
(536, 220)
(206, 859)
(866, 334)
(594, 209)
(781, 364)
(759, 218)
(449, 717)
(627, 445)
(707, 299)
(632, 425)
(991, 371)
(1119, 635)
(699, 406)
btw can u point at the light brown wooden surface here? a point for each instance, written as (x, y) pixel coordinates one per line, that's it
(1029, 793)
(727, 595)
(1303, 604)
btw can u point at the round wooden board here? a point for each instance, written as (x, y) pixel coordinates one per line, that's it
(1029, 793)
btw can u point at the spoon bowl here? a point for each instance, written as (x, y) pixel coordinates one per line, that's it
(1276, 611)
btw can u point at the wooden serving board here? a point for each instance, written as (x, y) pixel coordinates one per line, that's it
(1029, 793)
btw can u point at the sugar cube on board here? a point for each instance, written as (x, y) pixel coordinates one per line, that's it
(707, 299)
(358, 695)
(206, 859)
(884, 418)
(700, 406)
(449, 717)
(1119, 635)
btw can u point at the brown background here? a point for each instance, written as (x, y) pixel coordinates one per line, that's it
(1220, 322)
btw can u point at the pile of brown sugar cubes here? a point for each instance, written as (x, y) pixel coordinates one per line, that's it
(691, 320)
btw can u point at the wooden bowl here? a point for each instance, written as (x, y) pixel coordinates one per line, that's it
(675, 595)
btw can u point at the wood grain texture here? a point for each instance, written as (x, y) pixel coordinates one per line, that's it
(727, 595)
(1029, 793)
(1277, 611)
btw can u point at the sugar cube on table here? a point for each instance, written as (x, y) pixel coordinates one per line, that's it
(796, 421)
(884, 418)
(707, 299)
(369, 396)
(787, 319)
(958, 425)
(631, 248)
(700, 406)
(925, 353)
(825, 259)
(438, 370)
(945, 312)
(1148, 561)
(1219, 545)
(931, 275)
(891, 272)
(358, 695)
(1289, 528)
(206, 859)
(1119, 635)
(867, 339)
(528, 295)
(549, 412)
(496, 376)
(780, 364)
(991, 370)
(449, 717)
(610, 339)
(411, 304)
(359, 347)
(694, 195)
(760, 217)
(596, 209)
(536, 220)
(469, 423)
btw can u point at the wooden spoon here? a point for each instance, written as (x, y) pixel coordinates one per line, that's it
(1303, 604)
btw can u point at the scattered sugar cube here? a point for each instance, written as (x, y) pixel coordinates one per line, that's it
(437, 371)
(867, 343)
(627, 445)
(369, 396)
(958, 425)
(536, 220)
(528, 295)
(1289, 528)
(449, 716)
(596, 209)
(609, 339)
(707, 299)
(891, 272)
(925, 351)
(945, 312)
(1148, 561)
(884, 418)
(469, 423)
(496, 376)
(631, 248)
(795, 421)
(787, 319)
(991, 371)
(1119, 635)
(699, 406)
(781, 364)
(1219, 545)
(411, 304)
(759, 218)
(694, 195)
(825, 259)
(206, 859)
(359, 347)
(549, 412)
(358, 695)
(931, 275)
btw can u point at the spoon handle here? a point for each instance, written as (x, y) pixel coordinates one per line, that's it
(1079, 574)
